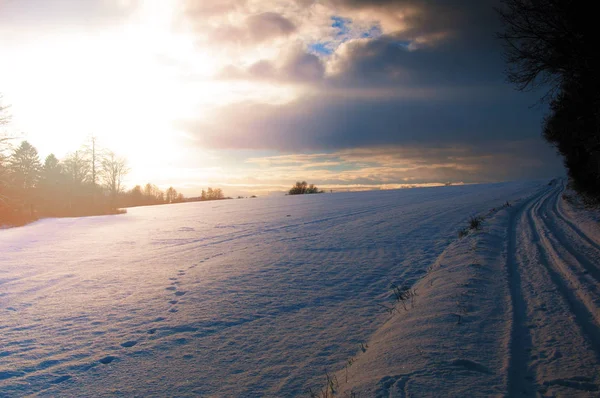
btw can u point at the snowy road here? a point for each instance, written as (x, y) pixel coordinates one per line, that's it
(554, 272)
(260, 297)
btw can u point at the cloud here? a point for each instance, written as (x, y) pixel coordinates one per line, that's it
(207, 9)
(342, 77)
(386, 60)
(430, 42)
(296, 65)
(391, 165)
(369, 74)
(36, 14)
(348, 121)
(254, 30)
(266, 25)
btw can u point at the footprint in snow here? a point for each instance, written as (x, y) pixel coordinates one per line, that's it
(180, 293)
(173, 310)
(171, 288)
(173, 302)
(60, 379)
(471, 365)
(129, 343)
(108, 359)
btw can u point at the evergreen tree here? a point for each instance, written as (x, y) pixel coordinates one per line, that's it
(25, 167)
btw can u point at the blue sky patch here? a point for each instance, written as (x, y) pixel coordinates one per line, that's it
(321, 48)
(404, 44)
(341, 24)
(374, 31)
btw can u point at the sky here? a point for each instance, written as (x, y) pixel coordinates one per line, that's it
(253, 95)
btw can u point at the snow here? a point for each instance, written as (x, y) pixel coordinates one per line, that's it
(512, 310)
(263, 297)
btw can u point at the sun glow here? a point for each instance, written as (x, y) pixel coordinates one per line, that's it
(127, 85)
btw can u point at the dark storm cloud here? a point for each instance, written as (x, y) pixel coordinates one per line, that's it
(335, 122)
(387, 60)
(443, 42)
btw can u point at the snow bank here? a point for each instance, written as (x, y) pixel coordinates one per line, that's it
(454, 340)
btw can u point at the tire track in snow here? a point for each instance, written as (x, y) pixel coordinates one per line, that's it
(587, 251)
(577, 265)
(565, 320)
(560, 215)
(518, 379)
(575, 289)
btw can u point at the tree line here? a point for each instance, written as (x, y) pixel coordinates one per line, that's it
(88, 181)
(553, 44)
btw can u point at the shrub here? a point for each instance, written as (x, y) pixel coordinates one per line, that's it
(302, 188)
(475, 223)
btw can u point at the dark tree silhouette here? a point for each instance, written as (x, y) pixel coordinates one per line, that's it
(302, 188)
(553, 44)
(547, 41)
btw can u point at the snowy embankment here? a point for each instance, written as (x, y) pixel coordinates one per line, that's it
(262, 297)
(511, 310)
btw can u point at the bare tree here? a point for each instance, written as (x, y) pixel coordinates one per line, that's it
(94, 154)
(553, 44)
(4, 146)
(4, 115)
(171, 195)
(547, 42)
(77, 168)
(218, 194)
(113, 170)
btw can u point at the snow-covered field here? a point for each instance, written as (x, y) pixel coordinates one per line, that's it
(512, 310)
(262, 297)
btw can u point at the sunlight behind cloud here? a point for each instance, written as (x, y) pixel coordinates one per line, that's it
(166, 83)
